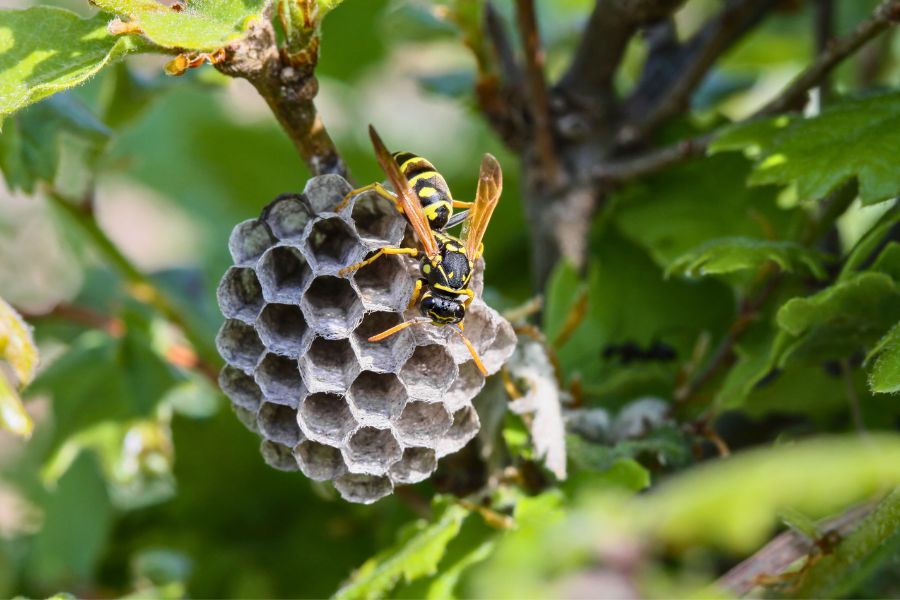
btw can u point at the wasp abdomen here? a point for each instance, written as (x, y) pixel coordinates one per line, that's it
(429, 186)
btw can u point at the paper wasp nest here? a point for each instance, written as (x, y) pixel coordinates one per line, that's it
(300, 370)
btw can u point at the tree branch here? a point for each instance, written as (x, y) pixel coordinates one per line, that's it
(620, 170)
(288, 85)
(793, 97)
(539, 105)
(589, 79)
(665, 92)
(786, 549)
(626, 169)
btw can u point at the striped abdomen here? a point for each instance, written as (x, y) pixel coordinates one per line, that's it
(429, 186)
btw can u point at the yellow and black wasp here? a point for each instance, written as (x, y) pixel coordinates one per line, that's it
(447, 262)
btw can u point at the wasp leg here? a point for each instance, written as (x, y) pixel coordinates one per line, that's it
(377, 188)
(417, 291)
(384, 251)
(461, 204)
(471, 296)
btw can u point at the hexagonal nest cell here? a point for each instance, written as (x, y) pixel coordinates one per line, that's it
(421, 422)
(363, 489)
(283, 329)
(332, 308)
(429, 371)
(382, 284)
(372, 451)
(329, 366)
(287, 217)
(284, 274)
(416, 465)
(377, 396)
(248, 241)
(326, 418)
(239, 345)
(278, 456)
(240, 294)
(333, 245)
(279, 378)
(278, 423)
(375, 218)
(318, 461)
(301, 372)
(240, 388)
(389, 354)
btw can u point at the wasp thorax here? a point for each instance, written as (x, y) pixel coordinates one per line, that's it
(301, 371)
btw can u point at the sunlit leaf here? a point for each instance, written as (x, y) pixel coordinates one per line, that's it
(855, 138)
(416, 555)
(18, 361)
(37, 64)
(13, 416)
(17, 347)
(201, 25)
(733, 503)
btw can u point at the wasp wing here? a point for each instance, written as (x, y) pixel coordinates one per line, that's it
(408, 202)
(490, 184)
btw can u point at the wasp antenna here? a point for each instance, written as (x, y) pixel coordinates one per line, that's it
(400, 327)
(472, 351)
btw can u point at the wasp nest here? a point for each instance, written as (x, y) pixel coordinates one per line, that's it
(301, 373)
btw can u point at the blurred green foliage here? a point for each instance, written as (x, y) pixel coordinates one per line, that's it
(138, 481)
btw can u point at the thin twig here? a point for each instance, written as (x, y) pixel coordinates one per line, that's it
(785, 550)
(141, 287)
(537, 90)
(288, 85)
(852, 397)
(794, 95)
(500, 94)
(80, 315)
(690, 65)
(589, 78)
(625, 169)
(618, 171)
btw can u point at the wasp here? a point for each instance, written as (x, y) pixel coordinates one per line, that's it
(447, 262)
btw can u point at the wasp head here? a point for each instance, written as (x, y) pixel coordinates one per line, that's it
(441, 309)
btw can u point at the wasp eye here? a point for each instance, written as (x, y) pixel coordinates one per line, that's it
(459, 312)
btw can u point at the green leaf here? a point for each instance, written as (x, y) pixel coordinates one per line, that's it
(868, 244)
(38, 63)
(665, 445)
(416, 555)
(884, 376)
(733, 503)
(839, 571)
(727, 255)
(202, 25)
(18, 361)
(17, 347)
(846, 317)
(102, 379)
(57, 141)
(445, 582)
(77, 520)
(754, 362)
(857, 138)
(706, 199)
